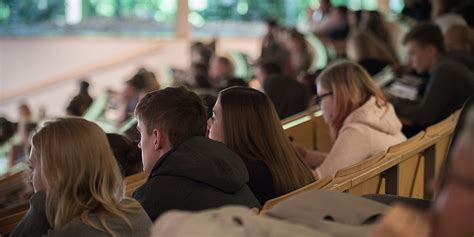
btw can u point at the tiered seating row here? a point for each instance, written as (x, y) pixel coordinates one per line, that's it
(404, 170)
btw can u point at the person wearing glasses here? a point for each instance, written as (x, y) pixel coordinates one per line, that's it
(361, 121)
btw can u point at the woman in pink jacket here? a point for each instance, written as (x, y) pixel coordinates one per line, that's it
(360, 119)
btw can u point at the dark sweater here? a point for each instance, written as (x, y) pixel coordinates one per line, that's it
(288, 95)
(35, 223)
(450, 85)
(198, 174)
(261, 180)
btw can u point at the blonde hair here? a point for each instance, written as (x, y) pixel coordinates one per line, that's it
(80, 174)
(253, 130)
(367, 46)
(351, 86)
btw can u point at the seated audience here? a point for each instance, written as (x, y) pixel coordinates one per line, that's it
(367, 50)
(288, 95)
(127, 154)
(361, 121)
(77, 184)
(18, 149)
(141, 83)
(246, 121)
(81, 102)
(201, 53)
(452, 211)
(300, 55)
(459, 38)
(335, 25)
(443, 14)
(450, 84)
(375, 23)
(221, 73)
(273, 48)
(186, 170)
(197, 79)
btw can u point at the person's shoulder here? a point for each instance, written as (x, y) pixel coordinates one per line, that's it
(258, 166)
(448, 66)
(76, 228)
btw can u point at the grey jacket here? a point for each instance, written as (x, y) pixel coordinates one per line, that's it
(35, 223)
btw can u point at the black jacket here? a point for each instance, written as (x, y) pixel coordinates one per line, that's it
(451, 83)
(261, 180)
(198, 174)
(288, 95)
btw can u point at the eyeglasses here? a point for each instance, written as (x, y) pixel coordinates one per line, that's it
(319, 98)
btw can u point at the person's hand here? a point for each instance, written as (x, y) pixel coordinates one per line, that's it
(301, 151)
(403, 221)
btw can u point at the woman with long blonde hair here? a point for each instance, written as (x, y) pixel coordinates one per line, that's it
(78, 186)
(246, 121)
(360, 119)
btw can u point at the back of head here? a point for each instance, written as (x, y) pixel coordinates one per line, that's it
(351, 86)
(199, 77)
(374, 22)
(270, 68)
(364, 45)
(426, 34)
(253, 130)
(83, 86)
(79, 172)
(180, 113)
(459, 38)
(144, 81)
(271, 22)
(221, 67)
(126, 153)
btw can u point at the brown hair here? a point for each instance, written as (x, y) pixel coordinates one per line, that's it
(180, 113)
(426, 34)
(351, 86)
(126, 153)
(253, 130)
(367, 46)
(80, 175)
(459, 37)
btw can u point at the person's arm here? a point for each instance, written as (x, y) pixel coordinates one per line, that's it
(351, 146)
(434, 103)
(313, 158)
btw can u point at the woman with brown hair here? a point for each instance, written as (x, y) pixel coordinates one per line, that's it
(360, 119)
(367, 50)
(246, 121)
(78, 186)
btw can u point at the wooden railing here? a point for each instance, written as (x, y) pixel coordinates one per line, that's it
(404, 170)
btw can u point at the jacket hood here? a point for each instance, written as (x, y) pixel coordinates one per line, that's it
(206, 161)
(380, 118)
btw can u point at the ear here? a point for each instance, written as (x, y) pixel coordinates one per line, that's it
(157, 138)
